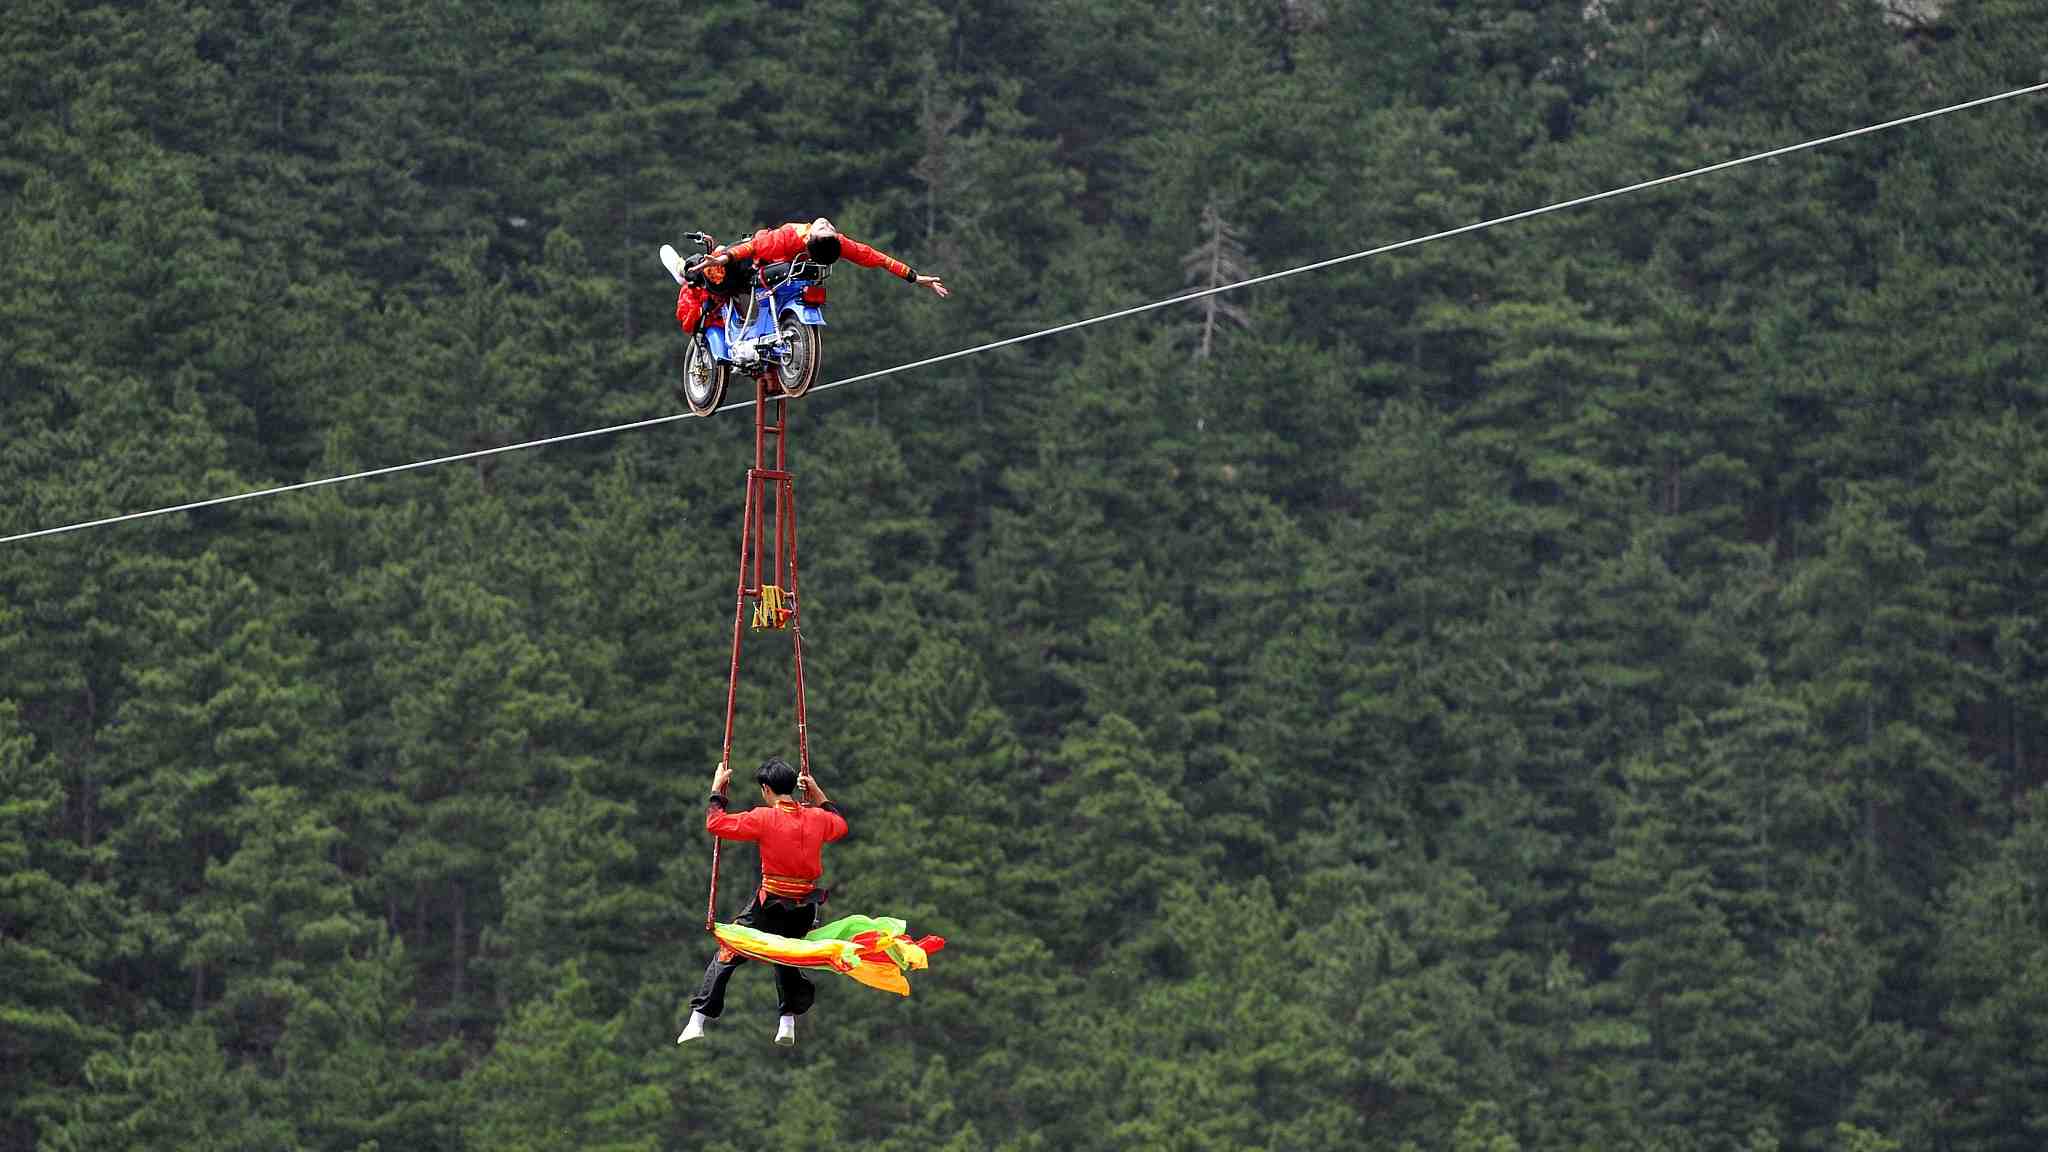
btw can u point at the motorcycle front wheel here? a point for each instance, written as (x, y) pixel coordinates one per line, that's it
(702, 384)
(804, 344)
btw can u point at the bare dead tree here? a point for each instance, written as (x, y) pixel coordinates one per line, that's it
(1218, 260)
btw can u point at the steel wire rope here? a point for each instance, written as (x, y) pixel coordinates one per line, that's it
(1167, 302)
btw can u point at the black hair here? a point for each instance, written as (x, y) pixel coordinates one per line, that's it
(777, 775)
(823, 249)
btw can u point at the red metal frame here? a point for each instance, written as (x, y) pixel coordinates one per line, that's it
(772, 611)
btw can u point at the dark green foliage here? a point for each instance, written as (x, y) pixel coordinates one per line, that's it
(1578, 686)
(55, 932)
(1993, 972)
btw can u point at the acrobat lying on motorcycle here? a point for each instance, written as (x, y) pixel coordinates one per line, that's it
(758, 306)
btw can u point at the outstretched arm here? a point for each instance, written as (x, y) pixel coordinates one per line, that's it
(870, 257)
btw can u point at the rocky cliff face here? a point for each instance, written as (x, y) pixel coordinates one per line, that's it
(1914, 13)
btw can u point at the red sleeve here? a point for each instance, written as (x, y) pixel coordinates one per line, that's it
(689, 305)
(769, 245)
(727, 826)
(867, 257)
(835, 824)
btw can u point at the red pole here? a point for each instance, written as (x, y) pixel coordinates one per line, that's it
(749, 538)
(782, 489)
(796, 632)
(751, 549)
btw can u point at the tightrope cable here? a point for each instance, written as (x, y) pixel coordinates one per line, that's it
(1167, 302)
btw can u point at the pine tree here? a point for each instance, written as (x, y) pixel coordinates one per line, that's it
(273, 917)
(477, 708)
(1993, 521)
(1991, 969)
(555, 1075)
(1676, 897)
(1871, 650)
(55, 933)
(172, 1088)
(217, 706)
(351, 1069)
(573, 898)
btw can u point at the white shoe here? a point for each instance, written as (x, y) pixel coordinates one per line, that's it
(785, 1032)
(694, 1029)
(673, 261)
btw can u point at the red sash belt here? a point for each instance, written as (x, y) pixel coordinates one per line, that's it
(788, 887)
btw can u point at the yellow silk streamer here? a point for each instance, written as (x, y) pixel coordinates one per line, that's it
(877, 961)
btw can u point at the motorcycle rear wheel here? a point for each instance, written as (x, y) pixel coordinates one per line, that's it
(804, 346)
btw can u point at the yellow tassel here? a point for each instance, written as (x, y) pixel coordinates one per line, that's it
(772, 611)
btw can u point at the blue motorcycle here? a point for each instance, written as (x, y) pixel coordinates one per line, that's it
(767, 322)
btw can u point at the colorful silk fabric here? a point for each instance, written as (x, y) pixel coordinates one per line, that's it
(873, 950)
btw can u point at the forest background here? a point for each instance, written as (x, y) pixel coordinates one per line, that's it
(1576, 686)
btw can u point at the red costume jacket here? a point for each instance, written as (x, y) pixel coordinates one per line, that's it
(790, 837)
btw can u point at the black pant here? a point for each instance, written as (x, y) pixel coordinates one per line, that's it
(793, 990)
